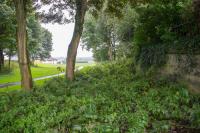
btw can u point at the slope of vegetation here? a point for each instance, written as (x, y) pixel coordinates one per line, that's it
(121, 95)
(105, 98)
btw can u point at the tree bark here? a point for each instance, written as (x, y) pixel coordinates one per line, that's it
(113, 44)
(110, 46)
(1, 59)
(9, 60)
(110, 53)
(81, 7)
(26, 77)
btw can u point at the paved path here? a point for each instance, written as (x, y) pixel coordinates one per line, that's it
(35, 79)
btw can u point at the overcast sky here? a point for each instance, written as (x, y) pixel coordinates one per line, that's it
(62, 35)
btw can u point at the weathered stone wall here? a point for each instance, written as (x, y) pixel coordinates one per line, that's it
(187, 68)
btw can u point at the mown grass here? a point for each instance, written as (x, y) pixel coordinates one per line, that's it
(38, 83)
(39, 70)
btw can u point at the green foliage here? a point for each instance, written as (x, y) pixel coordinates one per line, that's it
(125, 32)
(39, 39)
(151, 56)
(148, 31)
(7, 26)
(99, 35)
(104, 98)
(164, 28)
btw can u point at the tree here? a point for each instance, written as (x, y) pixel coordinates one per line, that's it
(100, 36)
(7, 30)
(1, 59)
(34, 37)
(46, 44)
(81, 7)
(39, 40)
(125, 32)
(77, 10)
(23, 58)
(10, 51)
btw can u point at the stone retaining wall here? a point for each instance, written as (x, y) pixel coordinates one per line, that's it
(187, 67)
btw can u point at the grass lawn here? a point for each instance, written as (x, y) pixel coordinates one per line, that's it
(40, 70)
(37, 71)
(18, 87)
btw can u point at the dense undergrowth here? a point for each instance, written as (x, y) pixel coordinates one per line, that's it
(105, 98)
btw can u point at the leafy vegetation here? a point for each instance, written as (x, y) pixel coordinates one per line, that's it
(125, 94)
(146, 32)
(105, 98)
(39, 39)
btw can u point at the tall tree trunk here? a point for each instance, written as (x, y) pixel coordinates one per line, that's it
(26, 77)
(1, 59)
(9, 60)
(114, 50)
(110, 53)
(110, 49)
(0, 66)
(81, 6)
(113, 44)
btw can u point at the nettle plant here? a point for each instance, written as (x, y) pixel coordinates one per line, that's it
(118, 101)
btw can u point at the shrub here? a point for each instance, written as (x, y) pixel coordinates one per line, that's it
(104, 98)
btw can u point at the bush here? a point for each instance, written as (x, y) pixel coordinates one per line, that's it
(104, 98)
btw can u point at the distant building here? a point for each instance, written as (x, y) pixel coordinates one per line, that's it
(50, 61)
(62, 60)
(84, 60)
